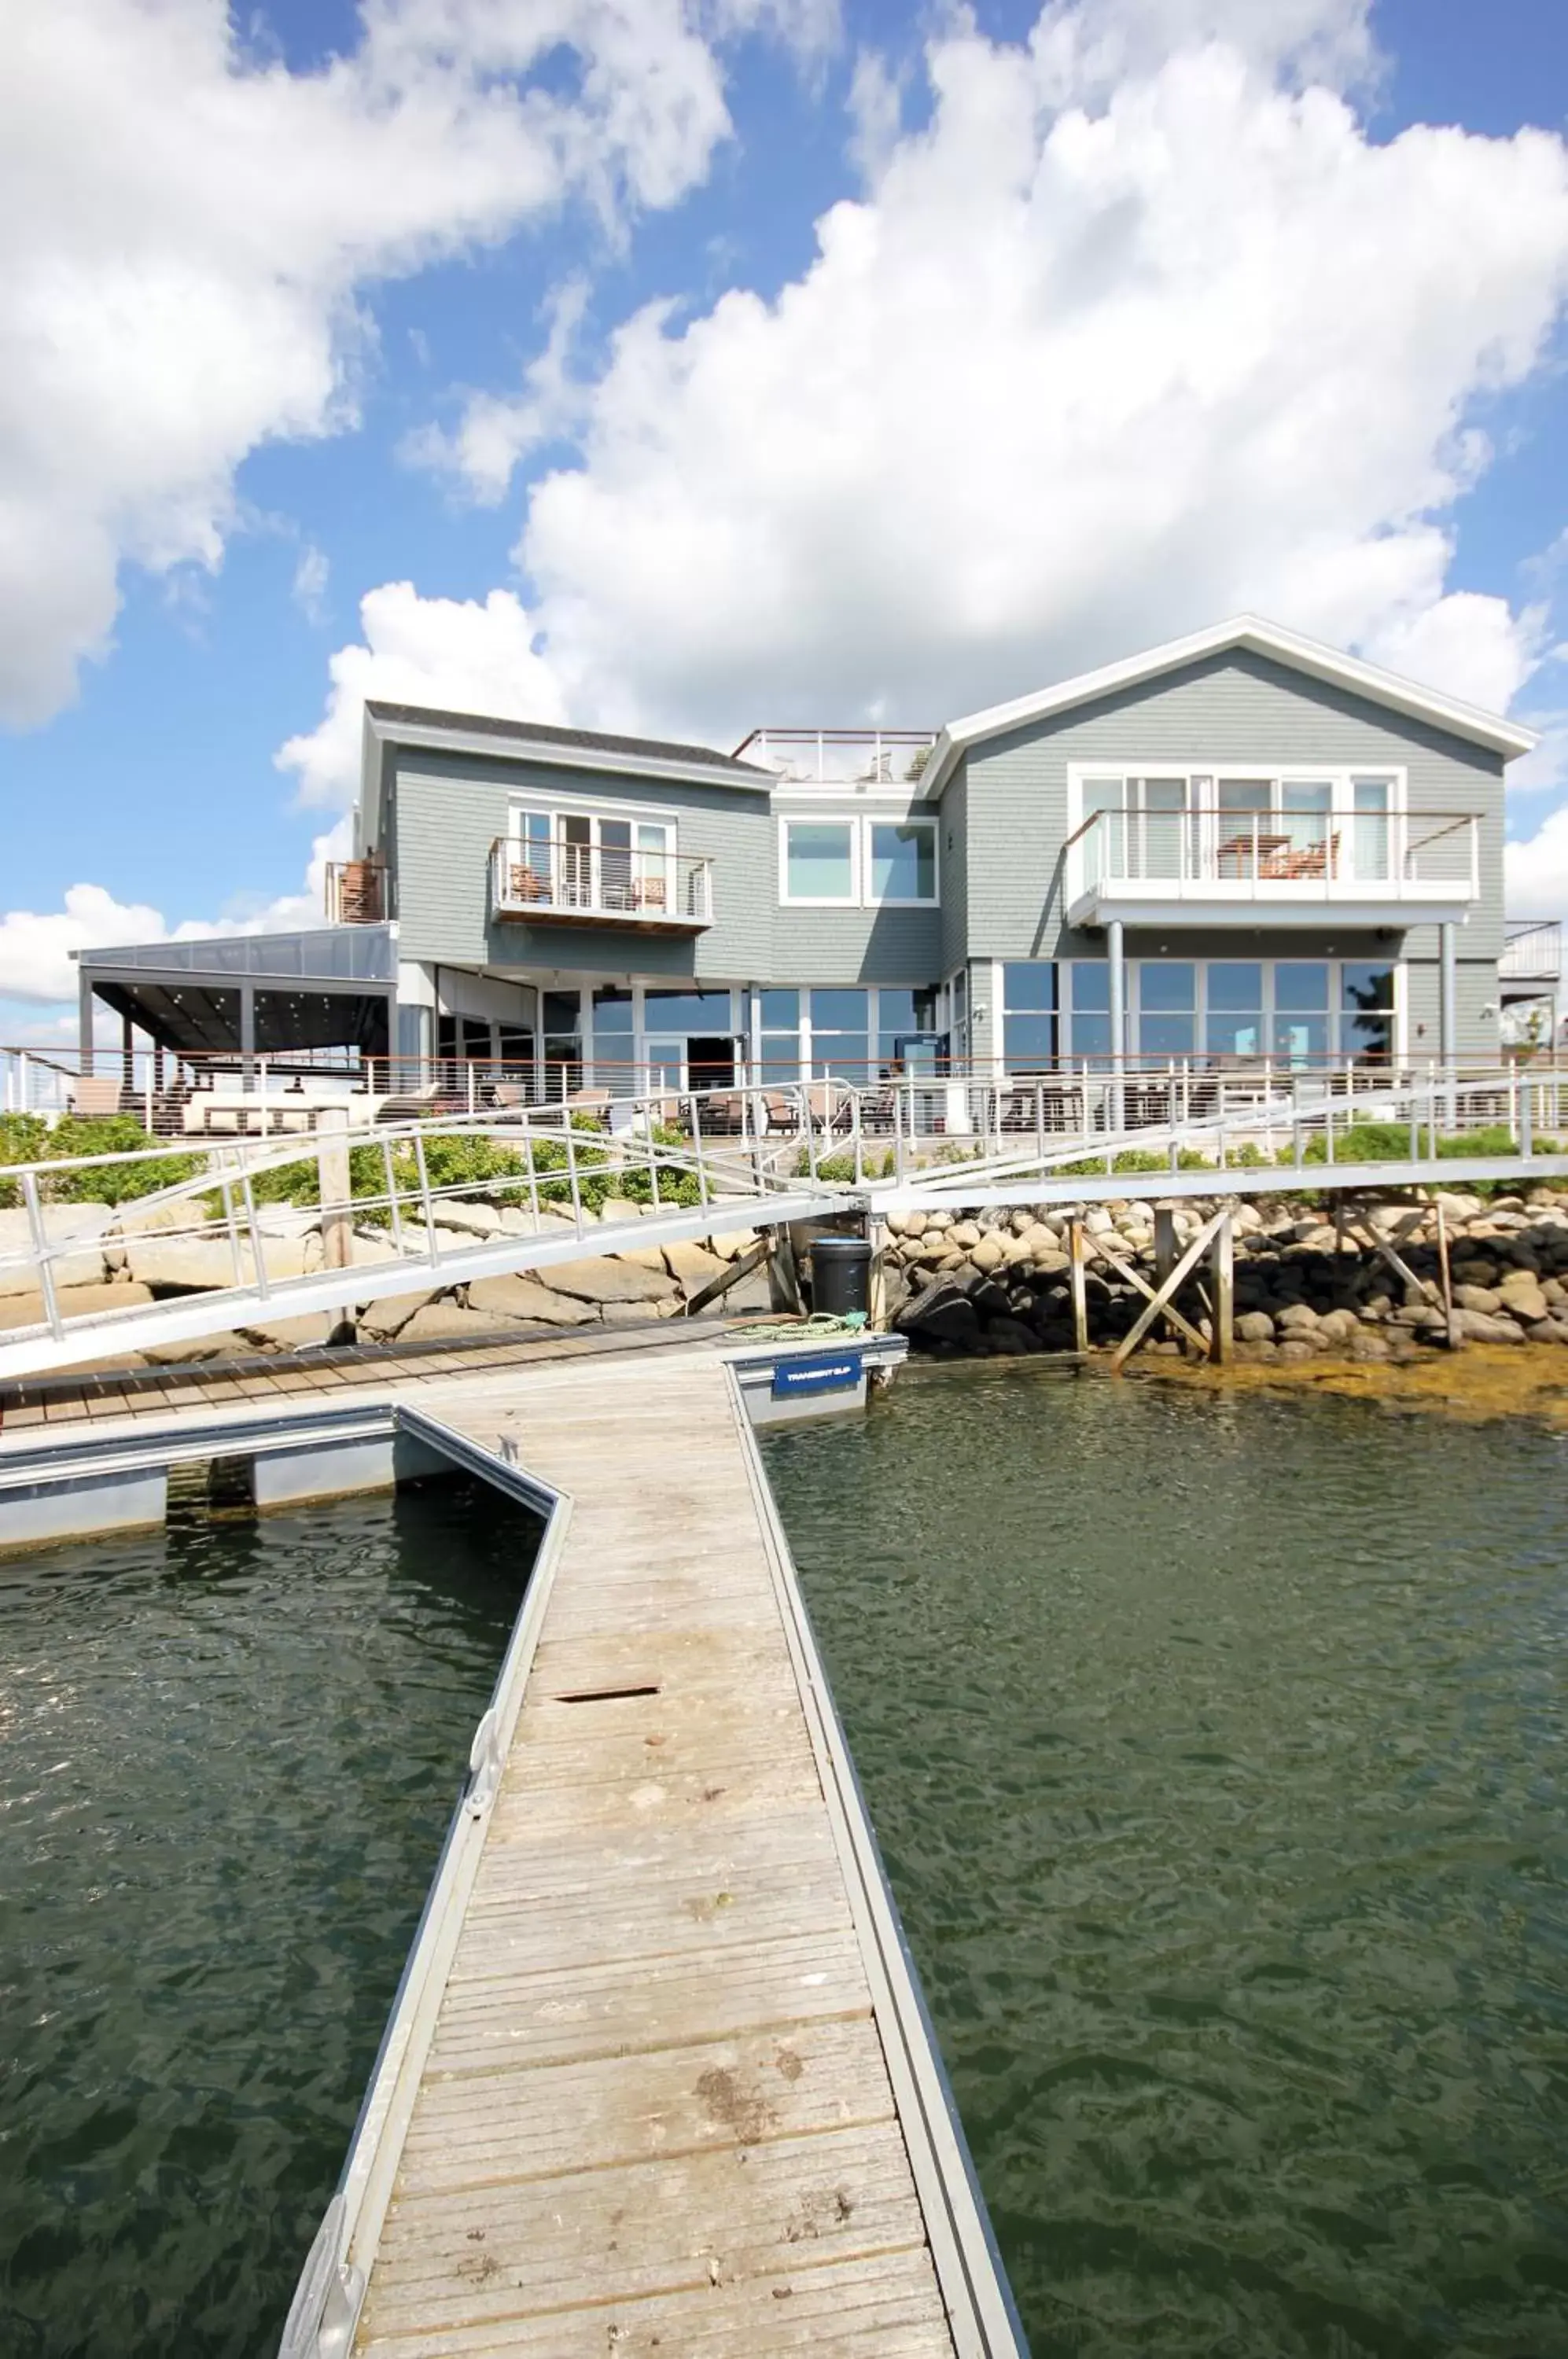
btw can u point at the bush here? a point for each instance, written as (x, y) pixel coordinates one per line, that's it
(26, 1138)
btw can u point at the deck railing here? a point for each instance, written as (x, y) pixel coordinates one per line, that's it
(1532, 950)
(390, 1220)
(541, 879)
(1284, 854)
(356, 893)
(840, 756)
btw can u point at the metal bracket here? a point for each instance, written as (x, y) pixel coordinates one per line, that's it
(325, 2313)
(484, 1766)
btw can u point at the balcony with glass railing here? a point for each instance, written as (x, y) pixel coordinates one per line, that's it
(547, 879)
(817, 757)
(1219, 866)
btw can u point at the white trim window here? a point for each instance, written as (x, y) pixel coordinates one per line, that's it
(819, 866)
(901, 864)
(617, 860)
(840, 863)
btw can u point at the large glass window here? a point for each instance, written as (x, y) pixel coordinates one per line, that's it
(1028, 1016)
(903, 860)
(779, 1039)
(1372, 800)
(687, 1011)
(898, 1014)
(1168, 1008)
(1089, 1008)
(563, 1042)
(1366, 1014)
(840, 1041)
(1233, 1026)
(613, 1046)
(1301, 1010)
(819, 860)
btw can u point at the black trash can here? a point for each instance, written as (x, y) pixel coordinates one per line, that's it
(841, 1275)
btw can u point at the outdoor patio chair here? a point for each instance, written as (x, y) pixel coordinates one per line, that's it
(94, 1095)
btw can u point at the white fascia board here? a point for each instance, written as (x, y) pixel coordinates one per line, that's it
(412, 736)
(1243, 631)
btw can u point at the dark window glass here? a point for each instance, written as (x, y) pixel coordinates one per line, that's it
(1029, 988)
(780, 1057)
(1091, 987)
(903, 861)
(780, 1010)
(1237, 984)
(1028, 1042)
(838, 1011)
(1091, 1035)
(612, 1010)
(687, 1011)
(563, 1011)
(1301, 986)
(895, 1011)
(1233, 1032)
(1172, 1035)
(1367, 1017)
(841, 1056)
(1300, 1036)
(1167, 984)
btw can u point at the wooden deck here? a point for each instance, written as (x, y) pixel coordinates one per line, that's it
(655, 2114)
(658, 2081)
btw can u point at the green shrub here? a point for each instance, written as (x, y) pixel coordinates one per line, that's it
(26, 1138)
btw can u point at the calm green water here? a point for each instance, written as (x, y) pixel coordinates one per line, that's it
(1218, 1751)
(228, 1754)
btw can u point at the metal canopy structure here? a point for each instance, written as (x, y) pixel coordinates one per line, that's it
(249, 994)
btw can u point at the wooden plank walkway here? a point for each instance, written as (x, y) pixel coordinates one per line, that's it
(654, 2114)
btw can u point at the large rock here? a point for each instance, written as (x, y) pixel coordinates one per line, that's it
(470, 1220)
(62, 1224)
(74, 1302)
(1011, 1338)
(942, 1313)
(1476, 1327)
(640, 1314)
(523, 1297)
(387, 1316)
(193, 1264)
(1479, 1297)
(694, 1265)
(440, 1320)
(1340, 1327)
(292, 1334)
(1255, 1327)
(1297, 1319)
(605, 1277)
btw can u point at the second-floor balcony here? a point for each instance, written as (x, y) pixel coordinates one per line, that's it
(548, 879)
(1532, 950)
(1216, 866)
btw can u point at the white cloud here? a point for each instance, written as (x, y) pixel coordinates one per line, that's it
(1535, 870)
(199, 227)
(36, 946)
(1133, 333)
(309, 589)
(459, 656)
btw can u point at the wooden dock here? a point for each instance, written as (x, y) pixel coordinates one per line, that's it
(658, 2081)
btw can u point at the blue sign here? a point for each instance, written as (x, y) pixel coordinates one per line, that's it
(818, 1372)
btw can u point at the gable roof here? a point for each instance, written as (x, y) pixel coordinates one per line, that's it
(419, 725)
(1242, 632)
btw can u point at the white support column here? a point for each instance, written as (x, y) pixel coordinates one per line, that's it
(248, 1032)
(1117, 994)
(85, 1021)
(1448, 1018)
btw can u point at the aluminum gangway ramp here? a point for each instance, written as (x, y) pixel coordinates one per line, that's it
(665, 2084)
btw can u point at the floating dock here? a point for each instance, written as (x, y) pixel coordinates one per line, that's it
(658, 2079)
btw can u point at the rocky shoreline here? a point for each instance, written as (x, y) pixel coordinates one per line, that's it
(958, 1284)
(995, 1283)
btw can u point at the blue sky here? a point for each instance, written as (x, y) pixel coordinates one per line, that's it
(151, 774)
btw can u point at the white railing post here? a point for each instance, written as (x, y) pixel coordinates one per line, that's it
(427, 1209)
(703, 1189)
(252, 1232)
(42, 1255)
(393, 1206)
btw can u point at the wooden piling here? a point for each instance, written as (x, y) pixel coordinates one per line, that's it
(336, 1187)
(1080, 1291)
(1221, 1265)
(1165, 1250)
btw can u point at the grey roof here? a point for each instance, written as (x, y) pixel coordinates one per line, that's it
(588, 741)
